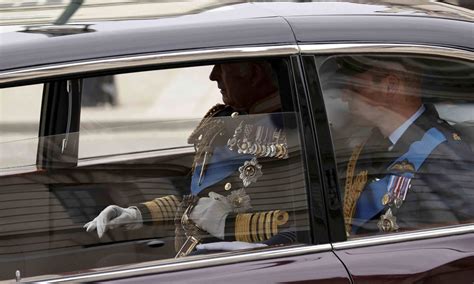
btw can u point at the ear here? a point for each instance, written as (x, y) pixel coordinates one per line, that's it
(392, 84)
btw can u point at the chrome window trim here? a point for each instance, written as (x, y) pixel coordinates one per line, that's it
(122, 62)
(55, 70)
(386, 48)
(404, 237)
(192, 262)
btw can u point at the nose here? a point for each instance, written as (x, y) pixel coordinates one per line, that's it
(215, 73)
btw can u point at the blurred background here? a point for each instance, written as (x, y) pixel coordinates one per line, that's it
(21, 12)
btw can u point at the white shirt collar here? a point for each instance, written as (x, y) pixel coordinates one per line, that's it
(395, 136)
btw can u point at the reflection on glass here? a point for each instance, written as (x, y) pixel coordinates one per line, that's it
(402, 130)
(156, 108)
(19, 125)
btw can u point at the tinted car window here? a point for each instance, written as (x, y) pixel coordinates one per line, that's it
(158, 107)
(146, 140)
(402, 128)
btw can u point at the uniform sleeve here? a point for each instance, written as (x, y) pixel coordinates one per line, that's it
(159, 210)
(257, 227)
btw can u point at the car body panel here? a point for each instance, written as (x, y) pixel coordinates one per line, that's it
(234, 25)
(313, 268)
(437, 260)
(384, 29)
(140, 37)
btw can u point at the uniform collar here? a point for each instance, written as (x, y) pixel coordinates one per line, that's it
(395, 136)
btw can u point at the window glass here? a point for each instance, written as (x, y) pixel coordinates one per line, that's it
(20, 109)
(163, 158)
(403, 129)
(157, 108)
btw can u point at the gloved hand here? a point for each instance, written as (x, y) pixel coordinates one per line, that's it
(210, 212)
(228, 246)
(113, 216)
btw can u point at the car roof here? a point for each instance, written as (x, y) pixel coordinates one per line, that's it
(245, 24)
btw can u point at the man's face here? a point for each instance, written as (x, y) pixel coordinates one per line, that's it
(363, 95)
(234, 84)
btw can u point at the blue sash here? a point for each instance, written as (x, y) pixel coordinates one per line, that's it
(223, 163)
(369, 203)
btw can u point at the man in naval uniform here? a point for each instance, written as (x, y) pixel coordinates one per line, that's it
(414, 171)
(238, 156)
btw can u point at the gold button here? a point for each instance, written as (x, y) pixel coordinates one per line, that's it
(227, 186)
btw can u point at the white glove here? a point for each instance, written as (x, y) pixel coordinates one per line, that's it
(113, 216)
(227, 246)
(210, 212)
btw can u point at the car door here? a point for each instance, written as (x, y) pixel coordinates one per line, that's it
(116, 138)
(428, 234)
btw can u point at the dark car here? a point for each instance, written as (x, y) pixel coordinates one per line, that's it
(105, 113)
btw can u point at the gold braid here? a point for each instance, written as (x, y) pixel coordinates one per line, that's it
(353, 188)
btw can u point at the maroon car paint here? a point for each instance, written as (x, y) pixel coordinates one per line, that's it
(314, 268)
(439, 260)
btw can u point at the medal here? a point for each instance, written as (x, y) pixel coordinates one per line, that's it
(397, 190)
(272, 150)
(239, 200)
(233, 141)
(253, 149)
(269, 151)
(250, 172)
(398, 202)
(279, 150)
(387, 222)
(386, 199)
(245, 145)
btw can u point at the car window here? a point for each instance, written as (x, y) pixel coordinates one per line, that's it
(402, 129)
(172, 163)
(117, 109)
(19, 126)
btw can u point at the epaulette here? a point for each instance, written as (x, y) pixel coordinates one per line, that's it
(204, 123)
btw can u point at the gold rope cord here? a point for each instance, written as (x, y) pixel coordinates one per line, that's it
(353, 187)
